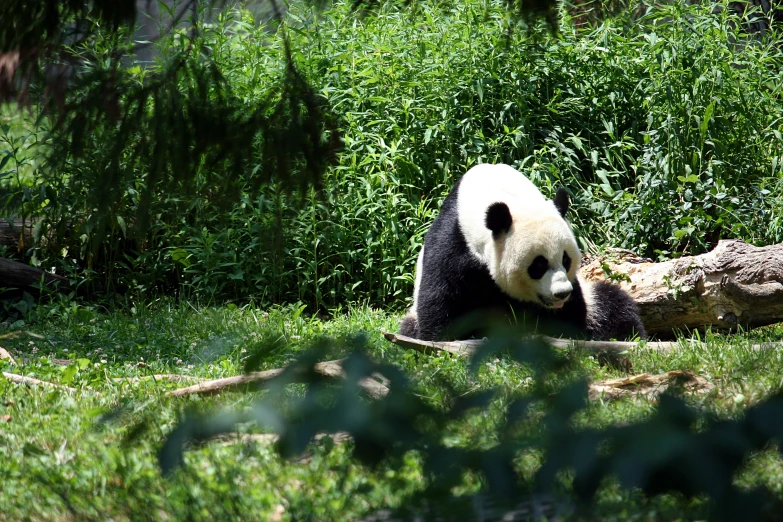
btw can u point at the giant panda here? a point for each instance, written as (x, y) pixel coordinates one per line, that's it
(499, 249)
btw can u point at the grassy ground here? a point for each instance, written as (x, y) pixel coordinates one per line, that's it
(91, 455)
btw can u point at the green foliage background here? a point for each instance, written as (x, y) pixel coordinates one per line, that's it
(663, 123)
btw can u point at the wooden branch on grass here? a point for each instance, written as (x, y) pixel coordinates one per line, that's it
(256, 380)
(21, 379)
(18, 333)
(615, 348)
(170, 377)
(650, 386)
(469, 347)
(736, 284)
(462, 348)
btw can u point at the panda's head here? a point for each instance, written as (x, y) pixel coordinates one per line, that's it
(522, 238)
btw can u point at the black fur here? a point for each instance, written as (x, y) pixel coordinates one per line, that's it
(566, 261)
(458, 298)
(498, 219)
(538, 267)
(561, 201)
(409, 327)
(616, 316)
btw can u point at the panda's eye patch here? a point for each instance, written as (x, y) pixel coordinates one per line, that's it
(566, 261)
(538, 267)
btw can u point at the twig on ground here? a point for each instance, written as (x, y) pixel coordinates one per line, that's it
(21, 379)
(172, 377)
(649, 386)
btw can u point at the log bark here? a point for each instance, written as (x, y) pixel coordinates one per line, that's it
(734, 285)
(14, 274)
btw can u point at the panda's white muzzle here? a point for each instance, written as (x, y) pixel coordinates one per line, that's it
(558, 288)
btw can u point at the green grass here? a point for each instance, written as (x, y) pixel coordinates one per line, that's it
(91, 455)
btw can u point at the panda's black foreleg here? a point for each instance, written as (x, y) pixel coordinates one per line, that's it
(615, 315)
(409, 327)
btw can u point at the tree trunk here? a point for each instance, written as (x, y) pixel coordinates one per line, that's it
(736, 284)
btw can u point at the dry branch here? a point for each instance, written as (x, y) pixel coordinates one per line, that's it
(612, 348)
(649, 386)
(469, 347)
(21, 379)
(256, 380)
(736, 284)
(16, 333)
(461, 348)
(171, 377)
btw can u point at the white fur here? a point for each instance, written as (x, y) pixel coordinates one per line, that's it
(417, 283)
(588, 294)
(537, 229)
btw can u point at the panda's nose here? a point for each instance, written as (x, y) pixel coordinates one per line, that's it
(562, 295)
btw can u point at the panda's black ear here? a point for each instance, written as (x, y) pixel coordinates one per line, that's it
(561, 201)
(498, 219)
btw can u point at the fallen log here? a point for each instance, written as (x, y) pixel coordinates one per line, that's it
(256, 380)
(14, 274)
(734, 285)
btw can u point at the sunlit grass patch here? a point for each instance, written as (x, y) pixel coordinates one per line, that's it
(93, 453)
